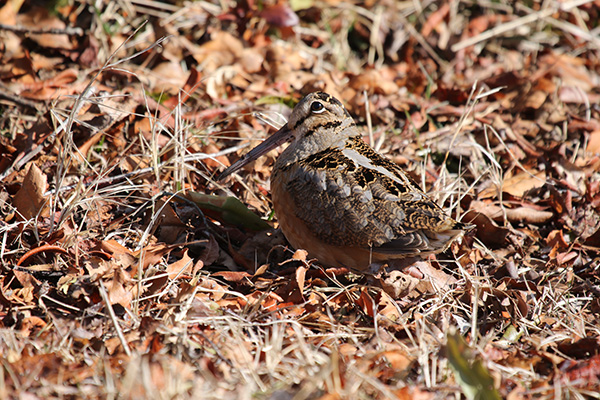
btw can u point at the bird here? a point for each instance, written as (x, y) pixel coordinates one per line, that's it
(340, 200)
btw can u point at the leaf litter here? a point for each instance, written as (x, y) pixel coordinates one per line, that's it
(129, 271)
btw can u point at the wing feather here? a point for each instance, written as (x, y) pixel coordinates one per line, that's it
(349, 203)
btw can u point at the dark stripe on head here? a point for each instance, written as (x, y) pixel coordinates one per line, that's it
(328, 98)
(300, 122)
(326, 125)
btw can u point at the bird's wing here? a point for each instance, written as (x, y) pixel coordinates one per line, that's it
(358, 198)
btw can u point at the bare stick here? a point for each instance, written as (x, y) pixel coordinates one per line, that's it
(113, 318)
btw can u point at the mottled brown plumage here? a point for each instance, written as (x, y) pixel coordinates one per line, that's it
(340, 200)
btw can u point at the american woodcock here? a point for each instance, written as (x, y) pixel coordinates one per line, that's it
(340, 200)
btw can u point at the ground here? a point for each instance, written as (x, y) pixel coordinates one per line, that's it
(129, 271)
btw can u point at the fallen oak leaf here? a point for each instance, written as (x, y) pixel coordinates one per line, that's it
(29, 200)
(31, 324)
(153, 253)
(270, 300)
(397, 284)
(519, 184)
(566, 257)
(233, 276)
(181, 266)
(387, 307)
(366, 302)
(529, 215)
(582, 370)
(395, 361)
(192, 83)
(117, 291)
(487, 230)
(48, 89)
(434, 278)
(557, 239)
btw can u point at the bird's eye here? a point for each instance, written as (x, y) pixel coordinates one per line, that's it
(317, 107)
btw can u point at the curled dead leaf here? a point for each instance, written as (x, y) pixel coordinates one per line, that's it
(300, 277)
(487, 230)
(366, 302)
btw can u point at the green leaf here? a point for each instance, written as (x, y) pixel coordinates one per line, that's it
(472, 376)
(512, 334)
(230, 210)
(288, 100)
(301, 4)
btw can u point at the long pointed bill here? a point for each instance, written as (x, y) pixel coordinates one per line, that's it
(280, 137)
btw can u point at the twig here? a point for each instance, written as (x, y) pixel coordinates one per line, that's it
(113, 318)
(426, 46)
(43, 31)
(368, 116)
(509, 26)
(4, 94)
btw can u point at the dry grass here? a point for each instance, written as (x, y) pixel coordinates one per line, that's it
(139, 325)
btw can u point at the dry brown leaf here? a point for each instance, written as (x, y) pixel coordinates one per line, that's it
(397, 359)
(372, 81)
(535, 99)
(84, 149)
(398, 284)
(181, 266)
(8, 12)
(252, 60)
(593, 145)
(300, 277)
(414, 393)
(221, 50)
(171, 227)
(519, 214)
(366, 302)
(113, 247)
(31, 325)
(49, 89)
(387, 307)
(566, 257)
(517, 185)
(487, 230)
(233, 276)
(433, 279)
(576, 95)
(41, 17)
(167, 77)
(119, 288)
(215, 162)
(557, 239)
(152, 254)
(570, 69)
(29, 200)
